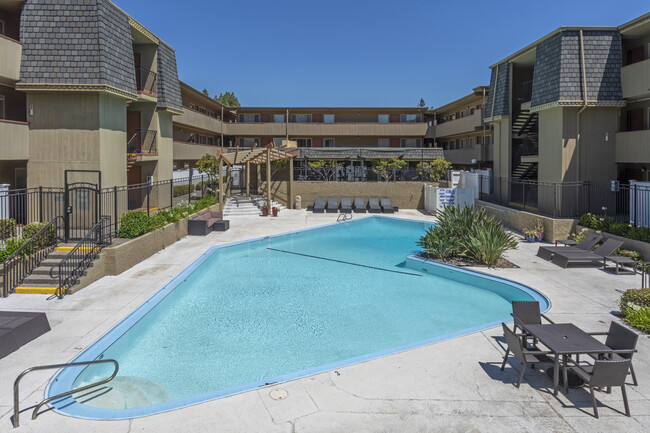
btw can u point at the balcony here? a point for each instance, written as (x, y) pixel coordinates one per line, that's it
(636, 80)
(460, 126)
(146, 82)
(257, 129)
(10, 53)
(192, 152)
(142, 144)
(633, 147)
(401, 129)
(480, 153)
(195, 119)
(14, 140)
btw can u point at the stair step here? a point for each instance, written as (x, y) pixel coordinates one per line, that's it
(36, 290)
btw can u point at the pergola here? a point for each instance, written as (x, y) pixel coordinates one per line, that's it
(264, 155)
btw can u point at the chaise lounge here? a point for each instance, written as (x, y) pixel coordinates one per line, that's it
(359, 205)
(319, 205)
(346, 205)
(206, 223)
(332, 205)
(373, 205)
(386, 207)
(577, 256)
(587, 244)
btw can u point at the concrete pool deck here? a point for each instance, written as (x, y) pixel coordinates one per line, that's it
(454, 385)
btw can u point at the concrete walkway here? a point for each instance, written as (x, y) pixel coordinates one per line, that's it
(455, 385)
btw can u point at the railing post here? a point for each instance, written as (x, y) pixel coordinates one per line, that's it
(40, 204)
(148, 194)
(115, 206)
(523, 194)
(554, 201)
(189, 189)
(171, 193)
(636, 199)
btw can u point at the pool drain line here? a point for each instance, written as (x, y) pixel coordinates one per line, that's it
(344, 262)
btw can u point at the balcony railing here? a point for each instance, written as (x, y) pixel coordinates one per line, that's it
(143, 142)
(146, 81)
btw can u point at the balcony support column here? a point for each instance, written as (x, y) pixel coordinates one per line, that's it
(268, 178)
(248, 178)
(221, 194)
(290, 186)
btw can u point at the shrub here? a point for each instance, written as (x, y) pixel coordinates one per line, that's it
(607, 224)
(435, 170)
(134, 224)
(7, 228)
(634, 299)
(181, 190)
(45, 239)
(10, 246)
(640, 319)
(469, 233)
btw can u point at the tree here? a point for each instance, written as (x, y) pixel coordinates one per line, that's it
(205, 92)
(228, 99)
(276, 166)
(209, 164)
(325, 168)
(422, 103)
(435, 170)
(385, 168)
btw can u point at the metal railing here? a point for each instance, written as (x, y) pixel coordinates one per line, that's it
(143, 141)
(23, 261)
(64, 394)
(146, 81)
(74, 264)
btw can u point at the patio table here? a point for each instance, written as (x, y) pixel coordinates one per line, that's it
(565, 339)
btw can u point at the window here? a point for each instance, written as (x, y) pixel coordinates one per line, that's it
(301, 118)
(462, 114)
(471, 111)
(2, 27)
(382, 118)
(247, 142)
(411, 142)
(328, 142)
(452, 117)
(192, 106)
(410, 118)
(383, 142)
(463, 143)
(328, 118)
(304, 142)
(249, 118)
(278, 141)
(472, 142)
(203, 139)
(487, 139)
(211, 141)
(452, 145)
(2, 107)
(278, 118)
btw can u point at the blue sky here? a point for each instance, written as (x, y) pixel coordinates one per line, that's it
(356, 52)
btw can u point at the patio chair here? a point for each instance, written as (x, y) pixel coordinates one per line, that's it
(346, 205)
(332, 205)
(527, 313)
(319, 205)
(386, 207)
(623, 341)
(524, 355)
(565, 259)
(605, 374)
(588, 243)
(359, 205)
(373, 205)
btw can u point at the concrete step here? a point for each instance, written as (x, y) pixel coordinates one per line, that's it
(37, 289)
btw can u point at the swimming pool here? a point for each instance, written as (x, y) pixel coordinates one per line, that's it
(258, 312)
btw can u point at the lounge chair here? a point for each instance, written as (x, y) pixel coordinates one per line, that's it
(577, 256)
(373, 205)
(524, 355)
(346, 205)
(605, 374)
(332, 205)
(588, 243)
(623, 341)
(359, 205)
(319, 205)
(386, 207)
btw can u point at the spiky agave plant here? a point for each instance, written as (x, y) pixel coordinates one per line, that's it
(486, 241)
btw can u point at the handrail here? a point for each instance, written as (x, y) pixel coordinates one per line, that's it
(49, 399)
(343, 217)
(30, 251)
(70, 270)
(146, 80)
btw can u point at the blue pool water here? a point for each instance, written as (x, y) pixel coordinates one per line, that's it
(272, 309)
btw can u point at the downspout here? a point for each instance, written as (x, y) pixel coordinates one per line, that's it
(483, 149)
(494, 95)
(584, 105)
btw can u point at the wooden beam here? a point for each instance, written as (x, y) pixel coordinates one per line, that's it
(268, 179)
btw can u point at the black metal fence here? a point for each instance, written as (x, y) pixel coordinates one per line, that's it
(628, 203)
(355, 174)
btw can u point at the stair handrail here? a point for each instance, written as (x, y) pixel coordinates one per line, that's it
(86, 250)
(29, 251)
(55, 397)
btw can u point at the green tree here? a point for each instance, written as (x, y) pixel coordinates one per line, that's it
(435, 170)
(422, 103)
(209, 164)
(276, 166)
(324, 167)
(385, 168)
(205, 92)
(228, 99)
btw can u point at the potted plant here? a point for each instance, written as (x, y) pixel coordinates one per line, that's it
(265, 210)
(529, 235)
(275, 211)
(539, 230)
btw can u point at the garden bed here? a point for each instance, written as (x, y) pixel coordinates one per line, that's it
(643, 248)
(468, 263)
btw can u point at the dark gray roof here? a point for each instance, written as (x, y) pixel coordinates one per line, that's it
(371, 153)
(546, 77)
(76, 42)
(169, 89)
(498, 100)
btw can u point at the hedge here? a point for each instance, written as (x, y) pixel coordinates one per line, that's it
(607, 224)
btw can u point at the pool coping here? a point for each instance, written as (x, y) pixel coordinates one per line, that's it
(68, 375)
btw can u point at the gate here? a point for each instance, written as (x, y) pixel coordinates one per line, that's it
(82, 205)
(237, 178)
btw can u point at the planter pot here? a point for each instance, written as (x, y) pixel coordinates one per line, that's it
(530, 238)
(265, 211)
(540, 236)
(275, 211)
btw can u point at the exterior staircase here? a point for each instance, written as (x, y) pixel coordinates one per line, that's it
(524, 123)
(245, 206)
(40, 281)
(525, 171)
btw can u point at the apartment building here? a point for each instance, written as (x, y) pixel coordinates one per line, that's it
(462, 133)
(97, 91)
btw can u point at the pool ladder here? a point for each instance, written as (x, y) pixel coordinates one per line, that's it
(49, 399)
(343, 217)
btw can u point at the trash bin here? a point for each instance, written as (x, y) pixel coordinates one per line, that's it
(298, 203)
